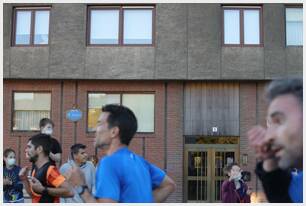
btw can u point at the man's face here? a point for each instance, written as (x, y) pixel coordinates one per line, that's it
(81, 156)
(31, 153)
(103, 133)
(285, 130)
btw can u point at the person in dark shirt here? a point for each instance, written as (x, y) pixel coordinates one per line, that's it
(12, 186)
(46, 126)
(280, 145)
(45, 184)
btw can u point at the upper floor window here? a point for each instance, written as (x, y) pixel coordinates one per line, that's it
(141, 104)
(29, 108)
(242, 26)
(294, 26)
(121, 25)
(31, 26)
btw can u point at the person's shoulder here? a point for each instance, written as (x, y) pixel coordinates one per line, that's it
(89, 164)
(226, 183)
(64, 167)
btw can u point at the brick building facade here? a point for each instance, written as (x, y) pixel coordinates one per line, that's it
(187, 69)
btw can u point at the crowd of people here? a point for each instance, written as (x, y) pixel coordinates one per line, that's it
(123, 176)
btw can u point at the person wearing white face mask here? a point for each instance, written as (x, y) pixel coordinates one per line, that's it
(234, 189)
(12, 186)
(46, 126)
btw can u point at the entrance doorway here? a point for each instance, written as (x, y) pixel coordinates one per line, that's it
(203, 169)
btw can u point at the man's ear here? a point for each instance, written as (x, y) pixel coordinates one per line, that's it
(39, 149)
(115, 131)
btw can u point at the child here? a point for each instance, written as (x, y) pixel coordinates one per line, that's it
(234, 189)
(12, 186)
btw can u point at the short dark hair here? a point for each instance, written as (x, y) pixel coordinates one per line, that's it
(44, 121)
(123, 118)
(7, 151)
(280, 87)
(42, 140)
(229, 167)
(74, 149)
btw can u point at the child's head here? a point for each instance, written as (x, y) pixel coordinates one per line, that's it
(232, 170)
(9, 156)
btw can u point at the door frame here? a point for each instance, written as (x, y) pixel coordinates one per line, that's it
(210, 149)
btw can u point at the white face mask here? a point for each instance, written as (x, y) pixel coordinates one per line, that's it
(11, 161)
(47, 131)
(238, 177)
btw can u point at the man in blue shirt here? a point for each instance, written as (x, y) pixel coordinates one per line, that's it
(280, 146)
(122, 176)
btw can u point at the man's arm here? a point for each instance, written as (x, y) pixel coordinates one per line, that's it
(275, 183)
(63, 190)
(23, 177)
(88, 198)
(27, 187)
(164, 190)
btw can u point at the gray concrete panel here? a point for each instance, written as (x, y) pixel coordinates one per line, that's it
(120, 63)
(275, 63)
(7, 25)
(204, 41)
(294, 59)
(242, 63)
(67, 35)
(171, 41)
(274, 26)
(29, 62)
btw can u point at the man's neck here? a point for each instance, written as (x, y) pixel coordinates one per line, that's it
(115, 146)
(78, 163)
(41, 161)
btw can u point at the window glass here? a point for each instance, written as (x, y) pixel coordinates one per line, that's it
(95, 103)
(137, 26)
(29, 108)
(231, 26)
(143, 107)
(294, 26)
(41, 27)
(23, 27)
(104, 27)
(251, 27)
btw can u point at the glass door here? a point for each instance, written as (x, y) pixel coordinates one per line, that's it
(203, 171)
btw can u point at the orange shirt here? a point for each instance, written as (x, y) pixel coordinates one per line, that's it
(54, 178)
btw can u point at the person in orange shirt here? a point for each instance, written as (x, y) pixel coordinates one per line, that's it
(44, 184)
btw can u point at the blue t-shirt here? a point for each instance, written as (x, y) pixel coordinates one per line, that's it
(296, 187)
(126, 177)
(12, 193)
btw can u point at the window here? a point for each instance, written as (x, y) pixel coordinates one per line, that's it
(294, 26)
(123, 25)
(31, 26)
(141, 104)
(242, 26)
(29, 108)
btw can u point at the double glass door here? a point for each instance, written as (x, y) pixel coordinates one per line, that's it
(203, 170)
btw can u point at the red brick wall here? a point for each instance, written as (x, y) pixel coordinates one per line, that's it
(151, 146)
(252, 111)
(175, 139)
